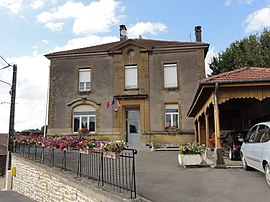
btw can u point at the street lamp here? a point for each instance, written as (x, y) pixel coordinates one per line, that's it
(12, 110)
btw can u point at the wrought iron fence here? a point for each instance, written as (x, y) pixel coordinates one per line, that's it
(118, 173)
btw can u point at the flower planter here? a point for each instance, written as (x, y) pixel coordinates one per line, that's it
(112, 155)
(189, 159)
(86, 151)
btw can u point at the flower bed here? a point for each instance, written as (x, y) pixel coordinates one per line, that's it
(84, 144)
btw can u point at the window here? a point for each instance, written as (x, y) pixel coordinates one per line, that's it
(267, 134)
(170, 75)
(252, 134)
(84, 79)
(171, 116)
(131, 76)
(260, 134)
(84, 116)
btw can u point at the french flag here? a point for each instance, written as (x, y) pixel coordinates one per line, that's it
(108, 104)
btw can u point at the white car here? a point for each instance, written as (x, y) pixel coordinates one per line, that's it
(255, 151)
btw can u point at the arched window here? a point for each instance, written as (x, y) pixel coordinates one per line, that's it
(84, 116)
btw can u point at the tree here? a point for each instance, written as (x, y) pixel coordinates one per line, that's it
(252, 51)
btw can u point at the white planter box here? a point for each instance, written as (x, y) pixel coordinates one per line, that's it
(189, 159)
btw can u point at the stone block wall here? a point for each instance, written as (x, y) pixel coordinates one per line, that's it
(43, 183)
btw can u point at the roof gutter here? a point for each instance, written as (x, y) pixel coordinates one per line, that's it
(60, 55)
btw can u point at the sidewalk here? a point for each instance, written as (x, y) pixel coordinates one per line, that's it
(228, 163)
(11, 196)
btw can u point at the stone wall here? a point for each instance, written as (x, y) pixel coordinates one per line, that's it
(43, 183)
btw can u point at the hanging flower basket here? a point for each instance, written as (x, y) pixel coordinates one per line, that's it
(112, 155)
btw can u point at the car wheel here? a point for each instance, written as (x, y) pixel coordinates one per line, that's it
(244, 163)
(267, 174)
(231, 154)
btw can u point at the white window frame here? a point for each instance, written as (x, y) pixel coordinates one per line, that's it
(134, 83)
(81, 116)
(171, 114)
(170, 75)
(86, 83)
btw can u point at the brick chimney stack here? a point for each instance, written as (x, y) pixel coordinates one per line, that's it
(198, 33)
(123, 32)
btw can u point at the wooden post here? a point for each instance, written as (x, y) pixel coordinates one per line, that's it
(199, 131)
(206, 128)
(218, 156)
(195, 130)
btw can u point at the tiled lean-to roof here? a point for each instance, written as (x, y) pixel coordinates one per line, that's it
(148, 43)
(242, 74)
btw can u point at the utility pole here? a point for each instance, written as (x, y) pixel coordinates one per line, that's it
(12, 114)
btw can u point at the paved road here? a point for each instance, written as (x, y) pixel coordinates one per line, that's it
(161, 179)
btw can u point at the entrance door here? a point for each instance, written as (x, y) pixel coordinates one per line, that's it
(133, 126)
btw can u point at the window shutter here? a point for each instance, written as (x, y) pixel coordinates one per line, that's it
(85, 75)
(171, 106)
(84, 79)
(131, 77)
(170, 75)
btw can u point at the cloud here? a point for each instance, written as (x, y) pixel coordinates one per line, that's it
(211, 53)
(45, 41)
(230, 2)
(13, 5)
(141, 28)
(55, 26)
(37, 4)
(69, 10)
(258, 20)
(31, 92)
(96, 17)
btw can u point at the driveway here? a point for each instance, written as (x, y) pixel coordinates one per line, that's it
(161, 179)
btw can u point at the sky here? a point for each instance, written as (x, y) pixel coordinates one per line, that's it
(29, 29)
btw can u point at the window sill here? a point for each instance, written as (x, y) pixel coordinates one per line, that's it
(131, 90)
(171, 88)
(84, 92)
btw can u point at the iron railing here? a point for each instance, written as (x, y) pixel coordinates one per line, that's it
(117, 173)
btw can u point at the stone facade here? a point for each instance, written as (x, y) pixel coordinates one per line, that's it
(107, 63)
(46, 184)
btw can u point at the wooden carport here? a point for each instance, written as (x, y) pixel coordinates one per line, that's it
(233, 100)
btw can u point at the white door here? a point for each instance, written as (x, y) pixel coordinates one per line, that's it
(133, 126)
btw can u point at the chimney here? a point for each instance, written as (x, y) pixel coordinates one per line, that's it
(198, 33)
(123, 32)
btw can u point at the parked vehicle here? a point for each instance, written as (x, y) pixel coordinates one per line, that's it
(212, 143)
(255, 151)
(231, 144)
